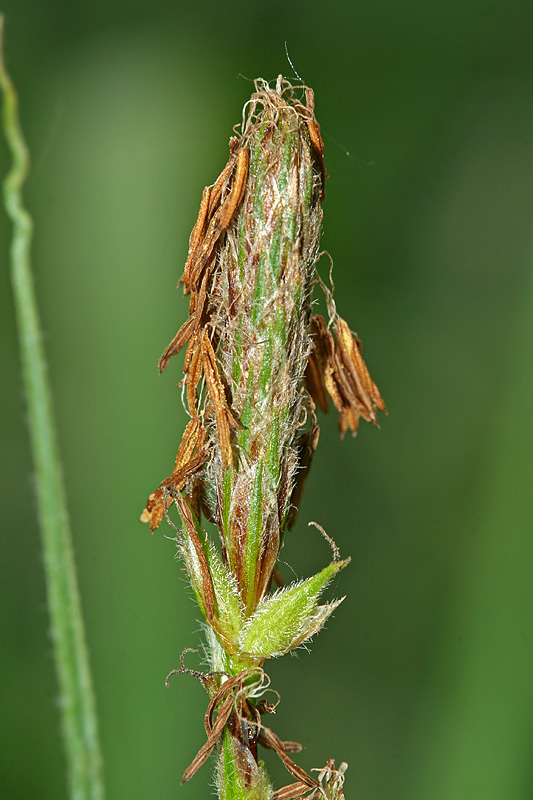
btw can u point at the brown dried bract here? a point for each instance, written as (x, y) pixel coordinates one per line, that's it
(313, 128)
(294, 791)
(197, 233)
(314, 134)
(221, 703)
(336, 365)
(270, 740)
(350, 349)
(192, 455)
(177, 343)
(213, 221)
(203, 754)
(214, 217)
(217, 395)
(232, 708)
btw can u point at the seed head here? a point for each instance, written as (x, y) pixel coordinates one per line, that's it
(257, 364)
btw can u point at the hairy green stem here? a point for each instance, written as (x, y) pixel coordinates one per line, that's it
(75, 685)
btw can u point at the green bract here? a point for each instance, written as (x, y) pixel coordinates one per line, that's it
(284, 620)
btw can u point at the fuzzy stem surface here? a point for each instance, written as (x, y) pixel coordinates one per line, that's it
(77, 705)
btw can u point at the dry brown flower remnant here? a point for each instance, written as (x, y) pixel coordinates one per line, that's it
(257, 363)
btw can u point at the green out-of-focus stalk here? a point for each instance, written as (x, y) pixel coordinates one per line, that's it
(256, 366)
(77, 705)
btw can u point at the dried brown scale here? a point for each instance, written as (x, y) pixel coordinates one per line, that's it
(314, 381)
(294, 791)
(162, 498)
(270, 740)
(336, 365)
(231, 708)
(204, 753)
(197, 234)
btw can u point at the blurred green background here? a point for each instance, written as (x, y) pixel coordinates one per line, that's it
(423, 681)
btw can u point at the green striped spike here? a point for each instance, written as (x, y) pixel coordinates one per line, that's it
(253, 536)
(246, 415)
(266, 369)
(272, 452)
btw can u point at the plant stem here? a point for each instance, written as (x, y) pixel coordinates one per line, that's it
(75, 685)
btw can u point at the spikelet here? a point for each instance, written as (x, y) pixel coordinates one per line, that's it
(257, 364)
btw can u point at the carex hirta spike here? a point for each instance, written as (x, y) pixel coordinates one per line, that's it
(257, 364)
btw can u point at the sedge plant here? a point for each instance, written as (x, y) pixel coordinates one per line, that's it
(257, 365)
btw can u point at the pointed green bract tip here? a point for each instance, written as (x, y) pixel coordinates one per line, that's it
(289, 617)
